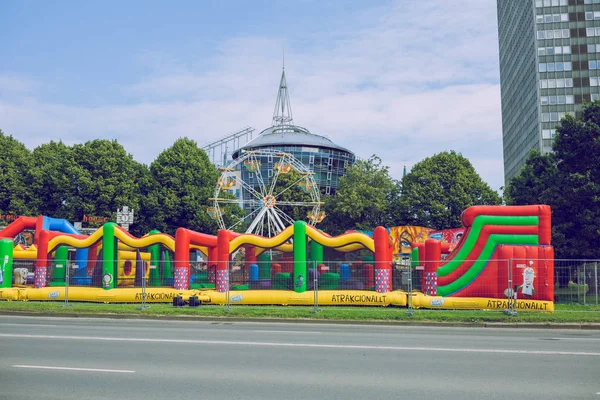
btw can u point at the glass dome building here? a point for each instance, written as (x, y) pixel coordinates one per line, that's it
(327, 160)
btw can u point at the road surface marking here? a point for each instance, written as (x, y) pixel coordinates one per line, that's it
(125, 371)
(301, 332)
(305, 345)
(29, 325)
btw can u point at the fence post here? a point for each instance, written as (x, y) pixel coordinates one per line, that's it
(596, 282)
(144, 305)
(512, 292)
(584, 283)
(410, 310)
(67, 278)
(227, 294)
(315, 287)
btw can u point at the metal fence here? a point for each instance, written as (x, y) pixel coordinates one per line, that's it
(570, 281)
(576, 281)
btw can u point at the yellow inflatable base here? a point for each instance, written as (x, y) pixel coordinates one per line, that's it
(166, 295)
(273, 297)
(420, 300)
(96, 295)
(326, 297)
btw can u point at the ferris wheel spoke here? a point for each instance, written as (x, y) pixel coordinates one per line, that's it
(277, 218)
(297, 203)
(259, 178)
(257, 220)
(248, 216)
(227, 201)
(283, 215)
(288, 187)
(220, 221)
(274, 180)
(278, 222)
(249, 188)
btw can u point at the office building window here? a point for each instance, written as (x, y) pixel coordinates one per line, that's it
(593, 81)
(550, 51)
(556, 83)
(552, 67)
(548, 18)
(591, 15)
(550, 3)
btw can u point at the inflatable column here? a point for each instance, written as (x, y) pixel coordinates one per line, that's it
(264, 266)
(181, 272)
(249, 259)
(61, 258)
(6, 262)
(154, 251)
(167, 268)
(109, 256)
(300, 275)
(316, 253)
(433, 255)
(41, 264)
(222, 282)
(383, 260)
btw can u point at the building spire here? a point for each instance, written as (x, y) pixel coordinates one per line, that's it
(283, 109)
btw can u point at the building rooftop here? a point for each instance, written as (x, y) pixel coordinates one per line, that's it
(287, 135)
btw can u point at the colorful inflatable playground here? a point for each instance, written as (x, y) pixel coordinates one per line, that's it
(502, 255)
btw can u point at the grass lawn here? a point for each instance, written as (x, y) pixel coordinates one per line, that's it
(565, 313)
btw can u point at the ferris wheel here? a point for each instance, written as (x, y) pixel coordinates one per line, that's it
(256, 176)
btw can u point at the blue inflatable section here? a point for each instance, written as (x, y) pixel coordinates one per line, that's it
(64, 226)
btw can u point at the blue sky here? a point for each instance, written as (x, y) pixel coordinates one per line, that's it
(400, 79)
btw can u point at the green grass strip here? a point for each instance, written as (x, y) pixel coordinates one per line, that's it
(484, 257)
(478, 223)
(564, 313)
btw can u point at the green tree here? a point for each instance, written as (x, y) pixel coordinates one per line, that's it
(569, 181)
(185, 180)
(535, 182)
(576, 215)
(107, 179)
(437, 190)
(53, 174)
(15, 162)
(364, 199)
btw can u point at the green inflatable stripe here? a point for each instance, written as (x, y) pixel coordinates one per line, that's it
(478, 223)
(414, 257)
(483, 259)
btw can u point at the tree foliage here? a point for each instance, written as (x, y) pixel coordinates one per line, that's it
(53, 173)
(570, 183)
(185, 181)
(15, 162)
(364, 198)
(531, 185)
(437, 190)
(105, 181)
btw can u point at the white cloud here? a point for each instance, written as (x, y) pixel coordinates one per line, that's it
(403, 82)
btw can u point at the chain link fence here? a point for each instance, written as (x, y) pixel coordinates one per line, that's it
(510, 281)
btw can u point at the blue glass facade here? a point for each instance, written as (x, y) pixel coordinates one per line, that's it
(318, 154)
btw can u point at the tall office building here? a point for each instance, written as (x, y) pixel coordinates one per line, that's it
(549, 66)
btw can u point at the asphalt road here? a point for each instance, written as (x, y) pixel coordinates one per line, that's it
(63, 358)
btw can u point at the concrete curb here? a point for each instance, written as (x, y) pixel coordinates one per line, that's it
(513, 325)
